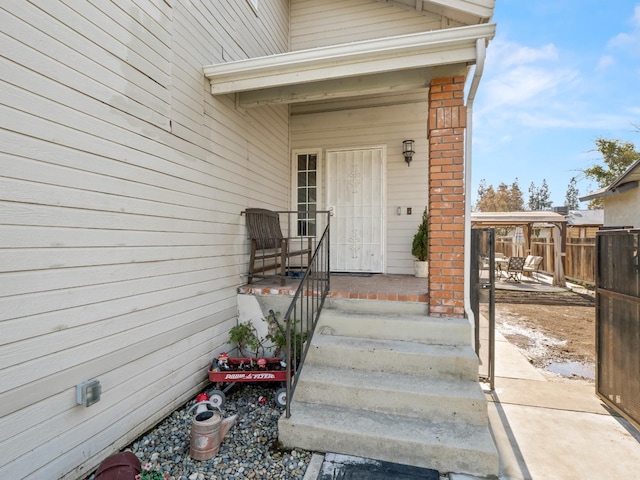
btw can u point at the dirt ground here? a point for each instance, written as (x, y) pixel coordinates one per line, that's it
(556, 331)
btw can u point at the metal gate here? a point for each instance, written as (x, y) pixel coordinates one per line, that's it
(482, 280)
(618, 322)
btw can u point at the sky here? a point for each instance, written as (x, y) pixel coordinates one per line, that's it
(558, 75)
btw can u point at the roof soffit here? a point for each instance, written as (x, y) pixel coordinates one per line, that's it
(467, 12)
(281, 76)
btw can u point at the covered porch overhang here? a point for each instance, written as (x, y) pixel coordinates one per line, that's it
(527, 220)
(392, 64)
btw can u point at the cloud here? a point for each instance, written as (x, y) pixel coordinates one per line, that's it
(629, 41)
(508, 54)
(605, 62)
(519, 76)
(526, 87)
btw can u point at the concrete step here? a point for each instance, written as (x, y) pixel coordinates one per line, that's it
(377, 306)
(394, 356)
(444, 446)
(396, 326)
(456, 401)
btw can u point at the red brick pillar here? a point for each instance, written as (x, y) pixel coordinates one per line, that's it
(446, 129)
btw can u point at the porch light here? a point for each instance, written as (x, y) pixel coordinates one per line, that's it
(407, 150)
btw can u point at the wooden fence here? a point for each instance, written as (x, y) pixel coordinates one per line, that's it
(580, 261)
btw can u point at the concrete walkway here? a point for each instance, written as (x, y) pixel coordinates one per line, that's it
(547, 429)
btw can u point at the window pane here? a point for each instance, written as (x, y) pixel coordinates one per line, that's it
(302, 196)
(311, 195)
(312, 162)
(302, 162)
(312, 179)
(302, 179)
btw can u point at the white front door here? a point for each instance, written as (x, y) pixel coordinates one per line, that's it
(355, 193)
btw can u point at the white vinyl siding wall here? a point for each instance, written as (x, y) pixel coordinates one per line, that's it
(318, 23)
(372, 122)
(121, 241)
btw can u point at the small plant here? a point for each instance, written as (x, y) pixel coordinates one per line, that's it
(420, 247)
(147, 473)
(245, 336)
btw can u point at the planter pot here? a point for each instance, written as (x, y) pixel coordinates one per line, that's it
(421, 269)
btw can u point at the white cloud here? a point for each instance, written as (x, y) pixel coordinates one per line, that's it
(507, 54)
(605, 62)
(523, 77)
(629, 41)
(635, 20)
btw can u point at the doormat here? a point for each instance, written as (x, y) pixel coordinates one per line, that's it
(345, 467)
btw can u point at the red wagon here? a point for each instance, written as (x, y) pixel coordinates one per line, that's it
(231, 370)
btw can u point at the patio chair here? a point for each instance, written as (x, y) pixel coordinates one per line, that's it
(270, 250)
(532, 264)
(514, 269)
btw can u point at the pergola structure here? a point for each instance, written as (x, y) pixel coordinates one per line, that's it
(527, 220)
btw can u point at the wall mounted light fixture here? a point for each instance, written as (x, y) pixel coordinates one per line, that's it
(407, 150)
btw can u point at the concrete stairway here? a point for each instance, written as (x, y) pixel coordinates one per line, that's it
(400, 387)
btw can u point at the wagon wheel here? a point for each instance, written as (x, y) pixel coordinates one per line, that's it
(217, 398)
(281, 397)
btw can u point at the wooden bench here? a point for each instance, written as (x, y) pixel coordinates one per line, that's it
(270, 250)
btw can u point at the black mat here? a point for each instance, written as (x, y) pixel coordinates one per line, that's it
(344, 467)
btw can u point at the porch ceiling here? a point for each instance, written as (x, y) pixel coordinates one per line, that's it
(400, 63)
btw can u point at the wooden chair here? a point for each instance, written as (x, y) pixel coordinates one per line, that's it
(515, 268)
(270, 250)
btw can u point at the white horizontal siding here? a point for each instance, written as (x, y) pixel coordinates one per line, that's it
(316, 23)
(365, 123)
(121, 241)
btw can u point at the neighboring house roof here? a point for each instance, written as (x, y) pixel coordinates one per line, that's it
(356, 68)
(585, 217)
(516, 218)
(627, 181)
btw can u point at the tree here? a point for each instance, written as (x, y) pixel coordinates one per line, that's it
(539, 198)
(571, 197)
(502, 199)
(617, 156)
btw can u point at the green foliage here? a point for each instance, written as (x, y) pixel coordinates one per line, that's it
(503, 199)
(539, 198)
(150, 473)
(245, 336)
(571, 200)
(617, 156)
(250, 344)
(420, 246)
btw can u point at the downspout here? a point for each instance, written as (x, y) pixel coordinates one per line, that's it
(477, 74)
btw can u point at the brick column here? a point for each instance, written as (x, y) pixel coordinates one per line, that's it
(446, 129)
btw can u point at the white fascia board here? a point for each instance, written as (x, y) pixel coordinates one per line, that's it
(426, 49)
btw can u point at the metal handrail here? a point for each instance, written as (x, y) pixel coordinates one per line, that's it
(305, 308)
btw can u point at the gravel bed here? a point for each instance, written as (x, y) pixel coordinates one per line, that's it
(249, 451)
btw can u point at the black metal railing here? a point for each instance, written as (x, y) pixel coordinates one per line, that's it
(303, 312)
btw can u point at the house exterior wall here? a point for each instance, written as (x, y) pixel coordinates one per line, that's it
(122, 244)
(623, 209)
(317, 23)
(380, 121)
